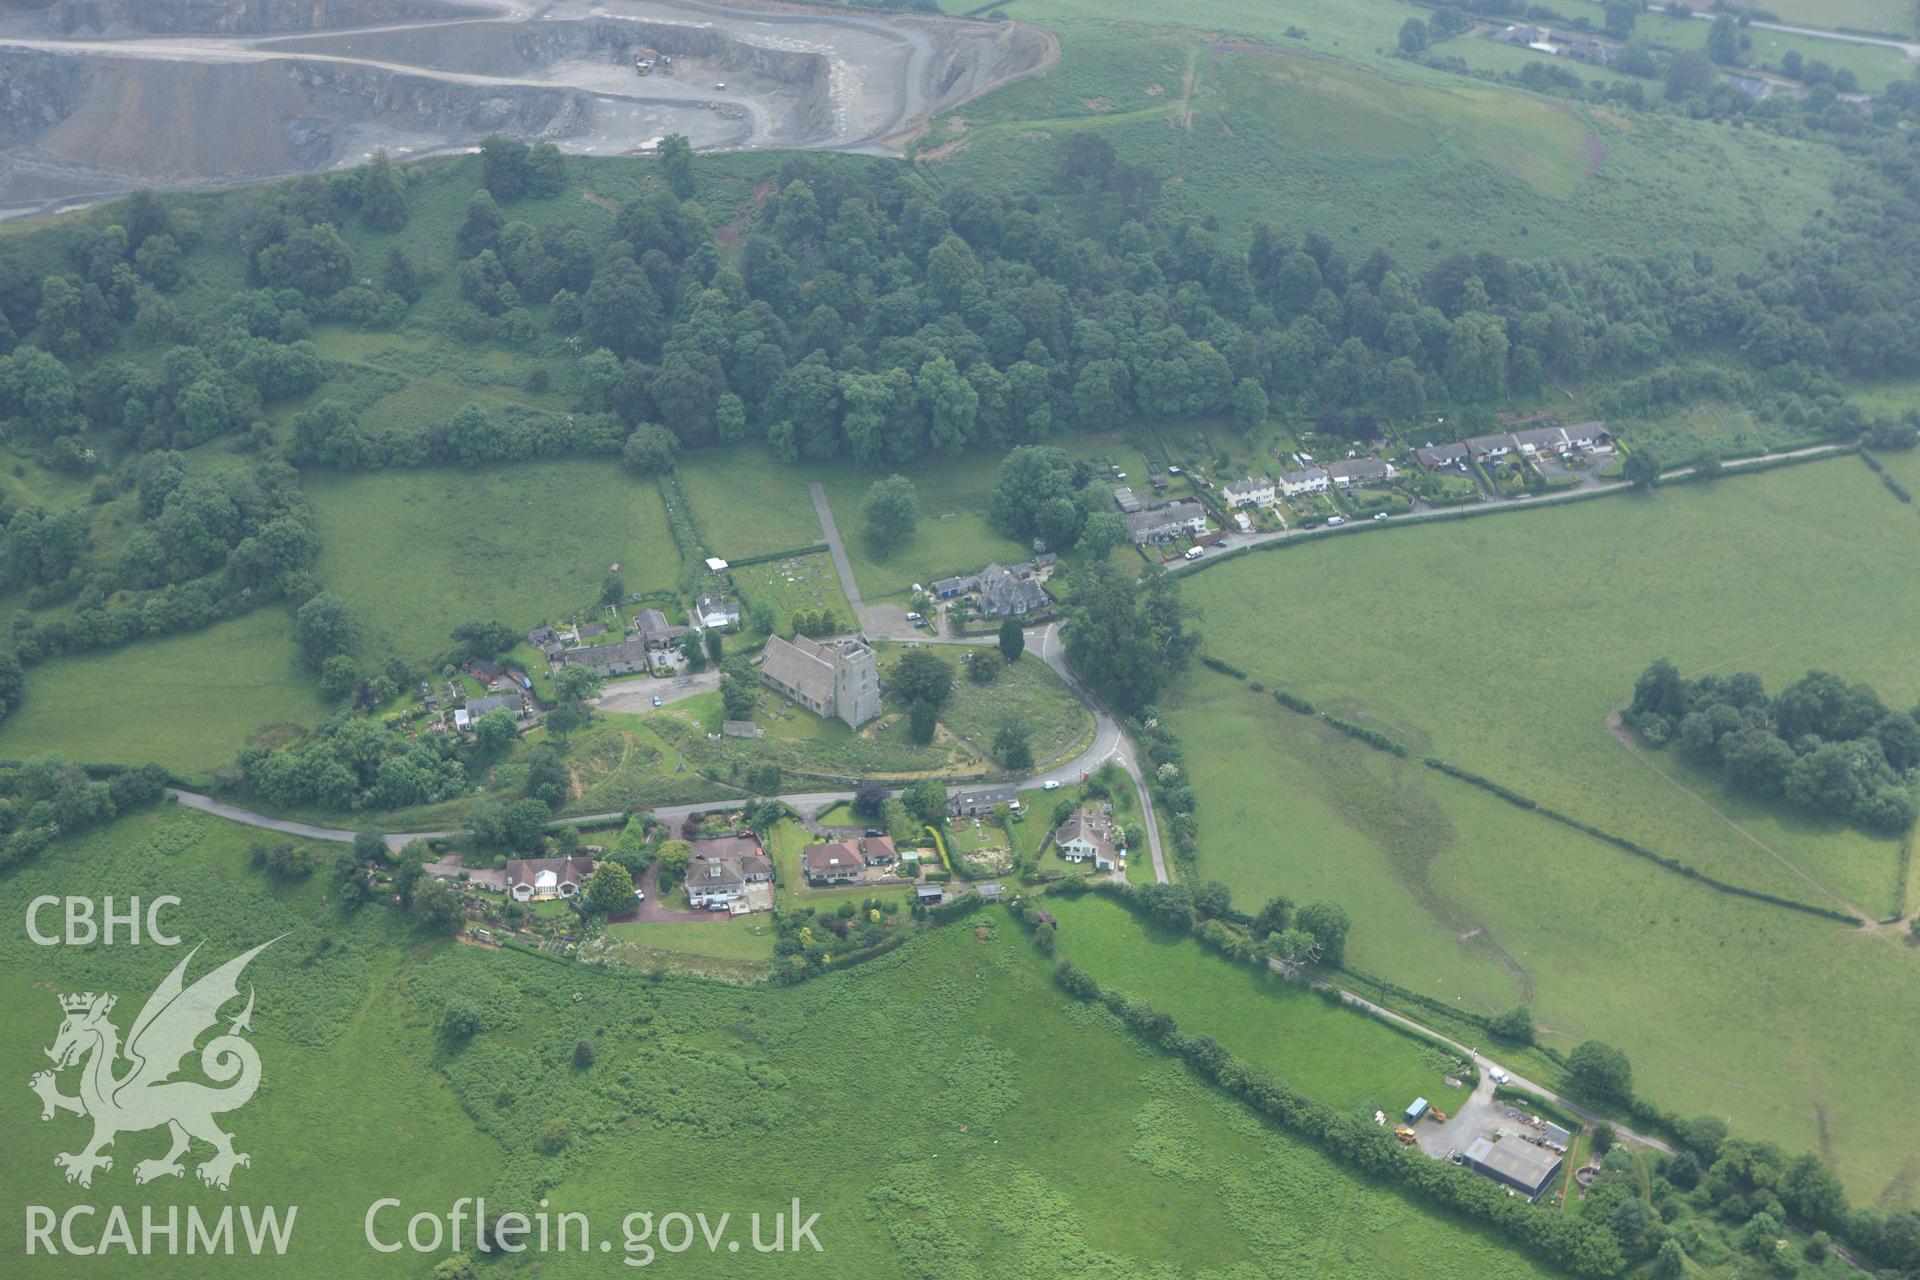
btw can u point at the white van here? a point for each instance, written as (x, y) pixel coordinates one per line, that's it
(1194, 553)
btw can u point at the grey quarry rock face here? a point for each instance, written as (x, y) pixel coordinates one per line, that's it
(105, 96)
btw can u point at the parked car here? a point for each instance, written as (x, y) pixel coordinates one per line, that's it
(656, 699)
(913, 617)
(1312, 522)
(1379, 515)
(1219, 542)
(1498, 1076)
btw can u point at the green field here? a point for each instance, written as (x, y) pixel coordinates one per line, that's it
(748, 504)
(186, 701)
(1876, 66)
(1341, 1058)
(1506, 643)
(1854, 15)
(335, 995)
(416, 552)
(1110, 1158)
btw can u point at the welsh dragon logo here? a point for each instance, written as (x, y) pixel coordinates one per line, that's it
(146, 1094)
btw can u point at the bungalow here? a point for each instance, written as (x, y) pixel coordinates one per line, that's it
(484, 671)
(1305, 480)
(1351, 473)
(836, 863)
(1436, 457)
(978, 801)
(1494, 446)
(1591, 435)
(879, 851)
(621, 658)
(716, 613)
(1541, 440)
(1086, 834)
(1252, 491)
(951, 588)
(655, 631)
(1163, 524)
(537, 879)
(477, 707)
(1011, 593)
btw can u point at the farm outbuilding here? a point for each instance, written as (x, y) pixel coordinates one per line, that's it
(1514, 1162)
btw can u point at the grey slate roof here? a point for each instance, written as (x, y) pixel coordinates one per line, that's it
(797, 664)
(624, 653)
(477, 707)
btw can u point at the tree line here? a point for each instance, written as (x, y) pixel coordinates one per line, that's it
(1821, 744)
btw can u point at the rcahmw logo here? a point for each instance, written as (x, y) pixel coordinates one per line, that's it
(132, 1087)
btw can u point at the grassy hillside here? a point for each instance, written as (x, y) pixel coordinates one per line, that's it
(416, 552)
(1009, 1130)
(1292, 112)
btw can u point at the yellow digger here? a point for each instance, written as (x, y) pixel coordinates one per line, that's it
(1405, 1134)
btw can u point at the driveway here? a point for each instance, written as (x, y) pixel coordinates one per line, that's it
(635, 696)
(652, 910)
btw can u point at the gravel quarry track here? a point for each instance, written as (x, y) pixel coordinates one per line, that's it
(99, 97)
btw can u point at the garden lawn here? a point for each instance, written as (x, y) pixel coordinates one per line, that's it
(1337, 1056)
(742, 945)
(415, 553)
(787, 843)
(186, 701)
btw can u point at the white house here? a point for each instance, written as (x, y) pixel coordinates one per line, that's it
(533, 879)
(1305, 480)
(1252, 491)
(716, 613)
(1162, 524)
(1086, 834)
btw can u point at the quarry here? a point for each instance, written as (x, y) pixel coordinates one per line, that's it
(99, 97)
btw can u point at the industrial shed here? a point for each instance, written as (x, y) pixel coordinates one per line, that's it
(1514, 1162)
